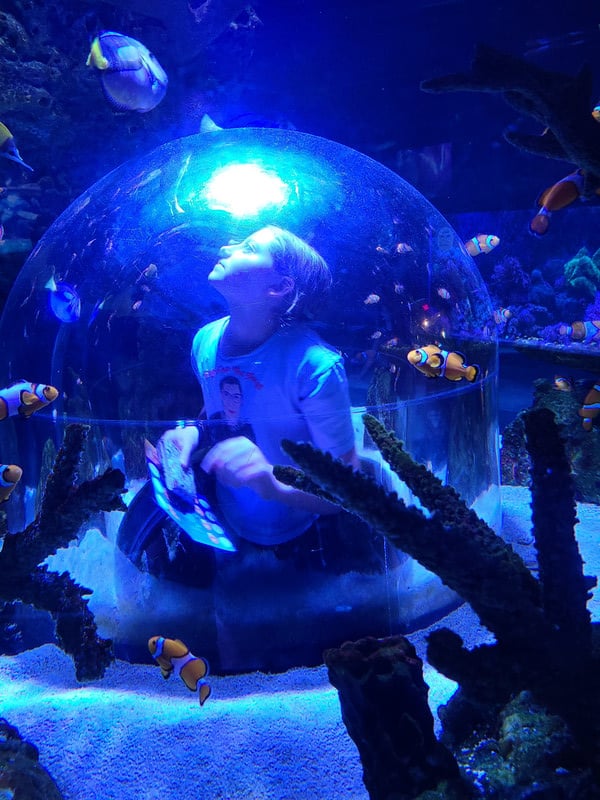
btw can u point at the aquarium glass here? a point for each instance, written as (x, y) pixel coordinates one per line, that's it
(106, 308)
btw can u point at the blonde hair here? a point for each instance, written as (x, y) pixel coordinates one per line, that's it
(312, 278)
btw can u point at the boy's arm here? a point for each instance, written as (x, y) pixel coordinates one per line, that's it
(239, 462)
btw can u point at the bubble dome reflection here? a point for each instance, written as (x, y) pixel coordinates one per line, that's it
(107, 305)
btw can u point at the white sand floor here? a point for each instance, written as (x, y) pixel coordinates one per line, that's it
(134, 736)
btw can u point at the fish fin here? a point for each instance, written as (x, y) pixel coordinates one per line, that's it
(206, 666)
(18, 160)
(166, 672)
(208, 125)
(112, 102)
(436, 360)
(204, 692)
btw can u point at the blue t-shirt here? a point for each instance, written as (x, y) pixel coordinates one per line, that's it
(293, 386)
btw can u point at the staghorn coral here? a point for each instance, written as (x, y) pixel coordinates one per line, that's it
(21, 774)
(543, 652)
(560, 103)
(65, 507)
(396, 753)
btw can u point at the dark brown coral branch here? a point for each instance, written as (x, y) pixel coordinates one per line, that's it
(499, 587)
(561, 103)
(537, 638)
(65, 508)
(565, 589)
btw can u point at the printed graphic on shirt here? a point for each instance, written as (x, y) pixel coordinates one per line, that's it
(230, 420)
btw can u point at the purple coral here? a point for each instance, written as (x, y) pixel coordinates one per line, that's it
(509, 282)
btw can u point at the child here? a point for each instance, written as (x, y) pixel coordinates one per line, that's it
(291, 384)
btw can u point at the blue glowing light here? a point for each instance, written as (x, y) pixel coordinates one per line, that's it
(245, 190)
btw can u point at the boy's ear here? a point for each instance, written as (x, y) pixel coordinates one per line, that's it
(283, 287)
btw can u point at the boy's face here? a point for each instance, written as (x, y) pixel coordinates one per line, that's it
(248, 264)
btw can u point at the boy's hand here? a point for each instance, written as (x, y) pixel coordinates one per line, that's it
(184, 439)
(239, 462)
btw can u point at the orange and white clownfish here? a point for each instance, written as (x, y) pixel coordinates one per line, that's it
(482, 243)
(10, 475)
(25, 398)
(559, 195)
(585, 332)
(173, 656)
(562, 384)
(590, 407)
(434, 362)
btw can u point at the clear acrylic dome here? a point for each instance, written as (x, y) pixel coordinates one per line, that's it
(108, 303)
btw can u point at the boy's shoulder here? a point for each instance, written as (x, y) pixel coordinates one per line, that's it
(212, 331)
(306, 344)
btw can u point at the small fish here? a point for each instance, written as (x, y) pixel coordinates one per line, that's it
(434, 362)
(482, 243)
(8, 148)
(543, 43)
(371, 299)
(10, 475)
(585, 332)
(25, 398)
(208, 125)
(132, 79)
(443, 293)
(596, 112)
(502, 315)
(64, 301)
(562, 384)
(559, 195)
(591, 407)
(148, 274)
(173, 656)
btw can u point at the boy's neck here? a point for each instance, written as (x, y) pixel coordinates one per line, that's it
(246, 331)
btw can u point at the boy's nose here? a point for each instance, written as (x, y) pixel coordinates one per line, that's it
(226, 250)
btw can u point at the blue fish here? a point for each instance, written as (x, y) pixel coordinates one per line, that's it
(132, 79)
(64, 301)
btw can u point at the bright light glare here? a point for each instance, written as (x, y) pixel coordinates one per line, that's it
(244, 190)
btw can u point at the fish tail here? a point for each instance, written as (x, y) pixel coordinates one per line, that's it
(539, 224)
(204, 691)
(472, 373)
(10, 475)
(96, 57)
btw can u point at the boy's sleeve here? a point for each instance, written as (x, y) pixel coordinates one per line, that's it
(325, 404)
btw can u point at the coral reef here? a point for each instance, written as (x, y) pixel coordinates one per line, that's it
(65, 507)
(543, 648)
(560, 103)
(509, 281)
(540, 291)
(582, 275)
(21, 774)
(375, 677)
(582, 447)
